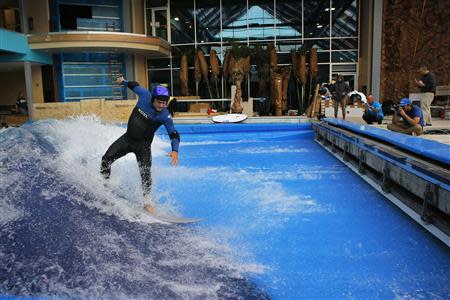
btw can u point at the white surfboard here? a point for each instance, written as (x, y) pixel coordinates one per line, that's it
(229, 118)
(173, 219)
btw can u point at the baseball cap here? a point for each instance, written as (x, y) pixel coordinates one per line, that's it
(404, 102)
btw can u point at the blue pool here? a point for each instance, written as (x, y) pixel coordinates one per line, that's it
(282, 219)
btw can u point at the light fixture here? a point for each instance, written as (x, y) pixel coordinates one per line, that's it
(176, 19)
(319, 26)
(327, 9)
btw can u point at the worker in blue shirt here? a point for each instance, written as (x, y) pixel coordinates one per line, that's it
(373, 111)
(407, 119)
(147, 116)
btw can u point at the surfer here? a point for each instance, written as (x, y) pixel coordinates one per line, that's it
(147, 116)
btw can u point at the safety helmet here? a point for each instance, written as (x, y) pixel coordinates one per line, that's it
(161, 93)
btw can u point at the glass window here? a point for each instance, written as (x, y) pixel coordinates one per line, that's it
(323, 74)
(208, 20)
(182, 21)
(158, 63)
(322, 44)
(260, 19)
(176, 55)
(345, 18)
(344, 56)
(316, 18)
(287, 46)
(288, 19)
(338, 44)
(234, 20)
(156, 77)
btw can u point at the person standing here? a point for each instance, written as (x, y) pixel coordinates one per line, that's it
(21, 104)
(373, 111)
(339, 91)
(147, 116)
(427, 84)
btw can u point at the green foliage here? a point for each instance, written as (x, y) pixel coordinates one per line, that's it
(240, 50)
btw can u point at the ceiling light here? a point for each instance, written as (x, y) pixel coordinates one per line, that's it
(176, 19)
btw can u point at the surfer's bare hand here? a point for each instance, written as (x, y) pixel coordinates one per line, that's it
(174, 157)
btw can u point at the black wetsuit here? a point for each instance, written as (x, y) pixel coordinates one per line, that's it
(142, 125)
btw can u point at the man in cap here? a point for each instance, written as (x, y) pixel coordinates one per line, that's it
(408, 119)
(373, 111)
(147, 116)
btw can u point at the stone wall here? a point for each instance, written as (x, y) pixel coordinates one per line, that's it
(109, 111)
(415, 33)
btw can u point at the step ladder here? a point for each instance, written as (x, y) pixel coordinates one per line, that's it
(114, 72)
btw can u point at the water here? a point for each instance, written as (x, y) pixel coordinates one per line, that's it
(283, 219)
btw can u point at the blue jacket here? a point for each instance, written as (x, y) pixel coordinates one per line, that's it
(145, 120)
(378, 107)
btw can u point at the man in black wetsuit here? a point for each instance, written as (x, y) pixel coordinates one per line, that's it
(147, 116)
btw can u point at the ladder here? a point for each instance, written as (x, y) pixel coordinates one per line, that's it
(114, 72)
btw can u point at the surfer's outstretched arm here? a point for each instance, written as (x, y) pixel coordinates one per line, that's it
(134, 86)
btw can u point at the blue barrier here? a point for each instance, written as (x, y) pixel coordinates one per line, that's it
(428, 148)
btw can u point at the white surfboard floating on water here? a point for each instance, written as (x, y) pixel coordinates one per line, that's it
(230, 118)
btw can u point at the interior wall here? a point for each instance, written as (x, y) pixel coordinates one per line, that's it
(365, 46)
(15, 82)
(137, 16)
(140, 70)
(415, 33)
(38, 93)
(38, 10)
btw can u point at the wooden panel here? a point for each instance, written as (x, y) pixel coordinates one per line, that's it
(415, 33)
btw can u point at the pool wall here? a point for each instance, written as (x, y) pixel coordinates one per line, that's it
(421, 188)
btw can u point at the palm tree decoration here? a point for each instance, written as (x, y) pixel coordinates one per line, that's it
(197, 74)
(204, 69)
(294, 62)
(301, 77)
(184, 75)
(226, 70)
(273, 56)
(286, 74)
(313, 68)
(215, 69)
(261, 58)
(239, 67)
(276, 91)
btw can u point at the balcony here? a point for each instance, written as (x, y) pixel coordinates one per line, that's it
(94, 41)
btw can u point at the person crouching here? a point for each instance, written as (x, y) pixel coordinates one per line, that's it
(407, 119)
(373, 111)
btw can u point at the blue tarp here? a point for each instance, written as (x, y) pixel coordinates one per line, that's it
(428, 148)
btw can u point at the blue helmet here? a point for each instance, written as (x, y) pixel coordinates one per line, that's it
(405, 101)
(161, 93)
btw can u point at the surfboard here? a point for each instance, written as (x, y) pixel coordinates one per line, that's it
(229, 118)
(173, 219)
